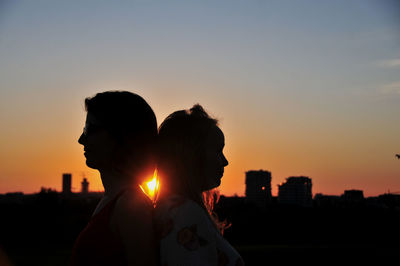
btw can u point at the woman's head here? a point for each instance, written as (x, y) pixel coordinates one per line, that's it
(120, 132)
(190, 152)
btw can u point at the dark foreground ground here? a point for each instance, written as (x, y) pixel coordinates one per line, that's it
(252, 255)
(41, 229)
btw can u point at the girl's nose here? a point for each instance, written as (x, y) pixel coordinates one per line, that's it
(224, 161)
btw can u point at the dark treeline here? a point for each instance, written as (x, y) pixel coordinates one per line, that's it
(40, 229)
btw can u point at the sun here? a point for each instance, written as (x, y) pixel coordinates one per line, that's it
(151, 187)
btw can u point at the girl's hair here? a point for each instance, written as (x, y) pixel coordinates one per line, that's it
(181, 150)
(132, 124)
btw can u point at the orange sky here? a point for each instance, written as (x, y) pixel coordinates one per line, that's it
(335, 159)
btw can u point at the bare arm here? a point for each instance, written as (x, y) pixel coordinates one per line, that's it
(132, 221)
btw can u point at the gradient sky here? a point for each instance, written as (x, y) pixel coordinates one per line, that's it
(300, 87)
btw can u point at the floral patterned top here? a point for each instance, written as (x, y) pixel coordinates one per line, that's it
(188, 236)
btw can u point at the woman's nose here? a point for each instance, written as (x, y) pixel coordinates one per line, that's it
(224, 161)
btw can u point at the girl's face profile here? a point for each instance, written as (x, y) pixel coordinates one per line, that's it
(214, 158)
(99, 146)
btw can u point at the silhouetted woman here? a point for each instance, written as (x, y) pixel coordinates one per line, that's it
(119, 139)
(191, 163)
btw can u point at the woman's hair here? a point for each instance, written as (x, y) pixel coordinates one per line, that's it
(182, 138)
(132, 123)
(181, 156)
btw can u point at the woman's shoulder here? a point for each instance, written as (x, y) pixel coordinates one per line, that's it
(178, 217)
(181, 212)
(176, 205)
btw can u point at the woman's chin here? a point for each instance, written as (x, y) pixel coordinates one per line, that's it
(215, 184)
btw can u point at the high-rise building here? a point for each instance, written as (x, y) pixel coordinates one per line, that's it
(258, 187)
(66, 183)
(353, 195)
(85, 186)
(297, 190)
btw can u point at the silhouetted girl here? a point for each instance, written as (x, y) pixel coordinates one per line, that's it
(191, 163)
(118, 141)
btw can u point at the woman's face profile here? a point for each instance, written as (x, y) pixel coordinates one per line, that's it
(99, 146)
(214, 161)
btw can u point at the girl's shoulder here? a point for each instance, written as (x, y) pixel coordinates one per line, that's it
(176, 204)
(183, 222)
(180, 211)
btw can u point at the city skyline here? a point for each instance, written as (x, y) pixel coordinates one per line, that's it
(300, 88)
(149, 187)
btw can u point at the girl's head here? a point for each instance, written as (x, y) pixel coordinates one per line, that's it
(120, 133)
(191, 158)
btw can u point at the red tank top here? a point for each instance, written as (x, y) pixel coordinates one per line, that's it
(97, 244)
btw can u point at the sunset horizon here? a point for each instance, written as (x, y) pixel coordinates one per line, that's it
(98, 188)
